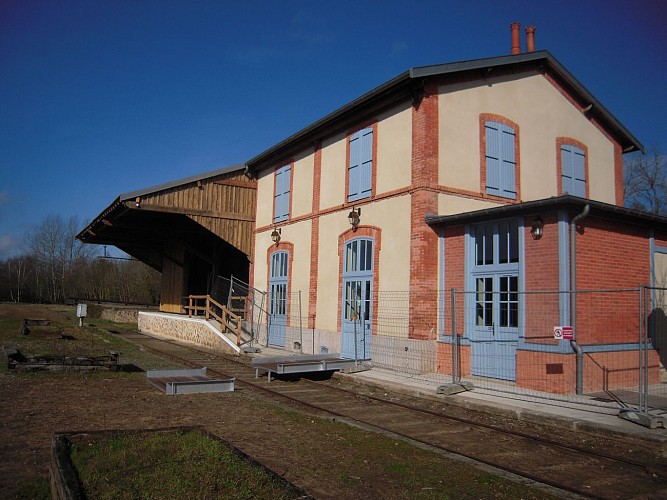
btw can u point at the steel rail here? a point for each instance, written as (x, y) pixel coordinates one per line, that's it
(247, 379)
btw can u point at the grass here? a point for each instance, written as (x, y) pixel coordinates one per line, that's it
(182, 464)
(63, 336)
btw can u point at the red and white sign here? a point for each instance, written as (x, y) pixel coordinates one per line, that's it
(563, 333)
(568, 333)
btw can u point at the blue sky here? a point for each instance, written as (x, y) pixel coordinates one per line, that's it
(103, 97)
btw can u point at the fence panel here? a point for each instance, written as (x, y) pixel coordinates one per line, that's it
(607, 363)
(504, 342)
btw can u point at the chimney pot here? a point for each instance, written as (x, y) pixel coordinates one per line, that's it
(530, 38)
(516, 37)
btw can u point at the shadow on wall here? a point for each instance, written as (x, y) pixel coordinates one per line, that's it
(657, 332)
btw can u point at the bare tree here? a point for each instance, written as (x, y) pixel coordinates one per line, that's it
(645, 182)
(54, 245)
(19, 269)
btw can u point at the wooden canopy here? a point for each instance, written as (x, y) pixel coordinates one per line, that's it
(191, 230)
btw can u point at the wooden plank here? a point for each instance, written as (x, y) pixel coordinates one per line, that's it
(237, 183)
(191, 211)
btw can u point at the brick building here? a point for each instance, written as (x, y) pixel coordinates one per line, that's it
(441, 223)
(464, 176)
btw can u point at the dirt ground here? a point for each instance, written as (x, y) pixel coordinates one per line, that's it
(327, 459)
(318, 456)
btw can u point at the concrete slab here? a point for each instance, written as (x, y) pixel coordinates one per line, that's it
(187, 381)
(296, 364)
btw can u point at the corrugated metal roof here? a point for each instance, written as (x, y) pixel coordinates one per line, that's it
(404, 83)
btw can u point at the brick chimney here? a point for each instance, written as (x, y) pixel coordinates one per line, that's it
(530, 38)
(516, 37)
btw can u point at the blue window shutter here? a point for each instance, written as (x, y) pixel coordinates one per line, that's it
(578, 173)
(365, 179)
(355, 167)
(573, 169)
(566, 168)
(500, 160)
(508, 163)
(492, 158)
(282, 196)
(361, 165)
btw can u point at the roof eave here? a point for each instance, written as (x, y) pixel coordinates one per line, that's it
(598, 208)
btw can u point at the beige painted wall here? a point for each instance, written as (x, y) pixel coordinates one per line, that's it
(265, 187)
(393, 217)
(449, 204)
(331, 226)
(302, 184)
(394, 149)
(260, 271)
(299, 236)
(334, 159)
(532, 103)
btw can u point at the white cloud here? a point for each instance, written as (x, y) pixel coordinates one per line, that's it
(9, 246)
(398, 48)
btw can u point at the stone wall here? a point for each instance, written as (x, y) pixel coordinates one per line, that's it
(190, 330)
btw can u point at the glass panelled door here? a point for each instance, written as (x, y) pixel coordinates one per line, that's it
(357, 299)
(278, 299)
(495, 326)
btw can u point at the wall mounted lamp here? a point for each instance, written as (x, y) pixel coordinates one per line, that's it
(275, 235)
(537, 229)
(354, 217)
(137, 202)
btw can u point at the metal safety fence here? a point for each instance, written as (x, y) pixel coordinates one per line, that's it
(598, 350)
(591, 348)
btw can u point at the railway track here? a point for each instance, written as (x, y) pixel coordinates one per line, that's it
(581, 466)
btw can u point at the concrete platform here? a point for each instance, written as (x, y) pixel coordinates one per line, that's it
(598, 419)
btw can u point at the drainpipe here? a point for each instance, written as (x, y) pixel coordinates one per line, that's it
(573, 297)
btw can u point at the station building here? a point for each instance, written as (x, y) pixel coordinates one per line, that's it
(442, 221)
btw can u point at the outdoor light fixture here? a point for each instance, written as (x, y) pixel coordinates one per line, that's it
(275, 235)
(137, 202)
(537, 229)
(354, 217)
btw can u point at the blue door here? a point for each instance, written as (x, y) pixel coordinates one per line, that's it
(278, 299)
(495, 335)
(493, 304)
(357, 299)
